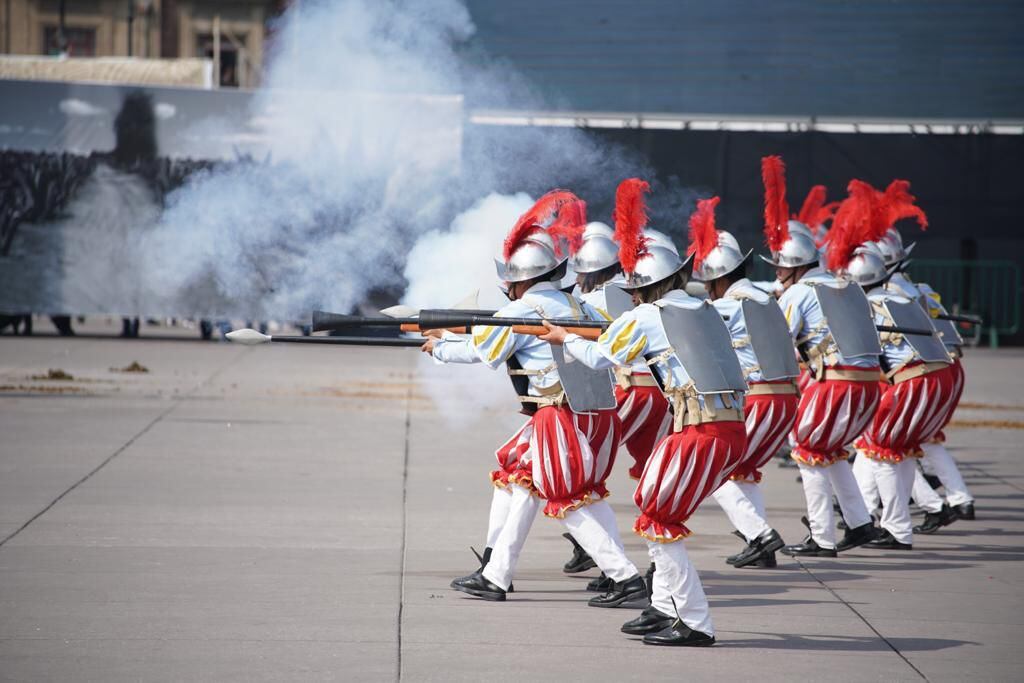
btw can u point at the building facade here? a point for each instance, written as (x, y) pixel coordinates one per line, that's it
(145, 28)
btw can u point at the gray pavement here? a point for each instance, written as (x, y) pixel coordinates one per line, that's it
(296, 513)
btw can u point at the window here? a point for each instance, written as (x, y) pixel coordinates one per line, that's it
(81, 41)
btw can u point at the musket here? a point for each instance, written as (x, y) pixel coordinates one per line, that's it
(970, 319)
(459, 321)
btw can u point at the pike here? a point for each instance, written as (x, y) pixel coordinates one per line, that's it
(457, 320)
(969, 319)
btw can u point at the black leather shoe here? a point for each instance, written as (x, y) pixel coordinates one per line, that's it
(634, 588)
(809, 548)
(964, 511)
(601, 584)
(759, 548)
(865, 533)
(767, 562)
(476, 584)
(732, 558)
(679, 635)
(886, 541)
(580, 560)
(933, 521)
(649, 621)
(484, 559)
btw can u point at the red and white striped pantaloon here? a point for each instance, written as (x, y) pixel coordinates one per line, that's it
(646, 420)
(685, 468)
(909, 414)
(831, 414)
(957, 370)
(768, 421)
(557, 453)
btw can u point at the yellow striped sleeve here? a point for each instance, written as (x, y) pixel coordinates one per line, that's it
(623, 341)
(493, 343)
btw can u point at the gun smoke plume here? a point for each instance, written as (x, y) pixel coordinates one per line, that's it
(362, 170)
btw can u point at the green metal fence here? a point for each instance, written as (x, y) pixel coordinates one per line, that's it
(990, 289)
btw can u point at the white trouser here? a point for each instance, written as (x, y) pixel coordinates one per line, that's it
(863, 473)
(756, 497)
(894, 482)
(675, 578)
(501, 501)
(819, 483)
(605, 516)
(602, 544)
(938, 459)
(741, 511)
(522, 511)
(924, 495)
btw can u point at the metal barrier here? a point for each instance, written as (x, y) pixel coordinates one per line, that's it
(989, 289)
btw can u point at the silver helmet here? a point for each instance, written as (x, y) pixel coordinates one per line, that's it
(656, 238)
(892, 247)
(598, 250)
(534, 257)
(798, 250)
(654, 265)
(867, 267)
(722, 260)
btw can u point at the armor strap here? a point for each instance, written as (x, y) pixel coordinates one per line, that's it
(533, 373)
(549, 396)
(625, 378)
(687, 410)
(894, 338)
(820, 355)
(741, 342)
(851, 375)
(769, 388)
(903, 373)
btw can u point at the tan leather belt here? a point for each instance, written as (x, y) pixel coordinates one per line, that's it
(916, 371)
(625, 378)
(549, 396)
(687, 411)
(765, 388)
(851, 375)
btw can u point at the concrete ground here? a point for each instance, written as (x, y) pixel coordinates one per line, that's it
(291, 512)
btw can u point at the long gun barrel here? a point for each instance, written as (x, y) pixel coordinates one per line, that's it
(970, 319)
(455, 320)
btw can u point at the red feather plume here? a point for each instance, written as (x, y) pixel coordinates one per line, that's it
(569, 225)
(703, 234)
(899, 203)
(861, 218)
(630, 221)
(535, 219)
(815, 211)
(776, 211)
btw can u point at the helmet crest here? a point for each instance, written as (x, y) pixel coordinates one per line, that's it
(862, 217)
(899, 203)
(569, 224)
(630, 221)
(703, 234)
(776, 211)
(534, 219)
(815, 211)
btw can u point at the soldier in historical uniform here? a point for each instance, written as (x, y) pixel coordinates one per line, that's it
(708, 438)
(840, 348)
(765, 350)
(554, 460)
(916, 370)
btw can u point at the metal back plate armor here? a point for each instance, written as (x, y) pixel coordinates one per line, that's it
(910, 315)
(703, 346)
(946, 329)
(586, 389)
(617, 301)
(848, 315)
(770, 339)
